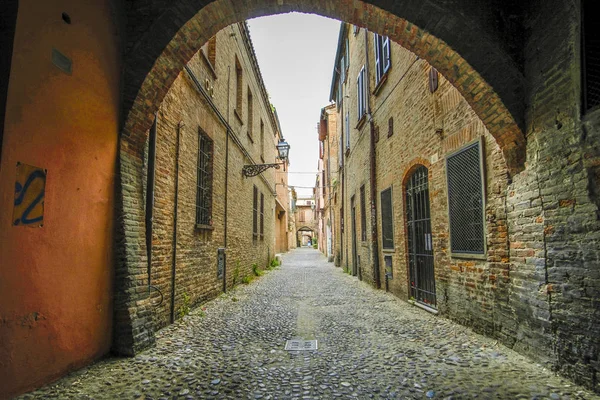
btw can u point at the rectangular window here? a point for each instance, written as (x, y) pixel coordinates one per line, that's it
(262, 216)
(591, 57)
(361, 88)
(387, 219)
(238, 87)
(250, 114)
(204, 181)
(255, 213)
(347, 54)
(382, 56)
(342, 70)
(301, 216)
(347, 126)
(262, 140)
(465, 200)
(363, 214)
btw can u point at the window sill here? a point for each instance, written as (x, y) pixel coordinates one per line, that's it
(392, 250)
(203, 227)
(469, 256)
(238, 116)
(381, 83)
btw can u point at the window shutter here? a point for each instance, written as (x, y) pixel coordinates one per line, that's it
(465, 201)
(377, 40)
(386, 54)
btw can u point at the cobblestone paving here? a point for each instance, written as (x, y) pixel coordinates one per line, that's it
(370, 345)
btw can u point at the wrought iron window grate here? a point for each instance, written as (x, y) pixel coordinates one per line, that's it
(465, 201)
(204, 184)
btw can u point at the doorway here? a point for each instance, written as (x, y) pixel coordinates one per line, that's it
(354, 251)
(420, 243)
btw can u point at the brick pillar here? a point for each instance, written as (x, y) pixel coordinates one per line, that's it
(133, 328)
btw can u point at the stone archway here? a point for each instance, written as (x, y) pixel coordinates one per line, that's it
(457, 39)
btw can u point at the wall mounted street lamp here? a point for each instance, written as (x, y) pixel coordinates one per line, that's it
(283, 148)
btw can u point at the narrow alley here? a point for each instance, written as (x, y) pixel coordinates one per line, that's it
(370, 345)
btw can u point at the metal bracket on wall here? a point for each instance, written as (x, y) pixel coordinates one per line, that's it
(256, 169)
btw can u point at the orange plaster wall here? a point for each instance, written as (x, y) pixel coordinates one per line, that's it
(56, 281)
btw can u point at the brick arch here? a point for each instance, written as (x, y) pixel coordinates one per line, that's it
(460, 39)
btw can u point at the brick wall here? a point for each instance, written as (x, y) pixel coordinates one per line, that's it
(185, 112)
(537, 287)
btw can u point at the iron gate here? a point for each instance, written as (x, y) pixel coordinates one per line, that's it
(420, 243)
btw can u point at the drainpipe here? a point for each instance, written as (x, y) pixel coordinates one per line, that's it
(150, 196)
(175, 208)
(373, 173)
(226, 180)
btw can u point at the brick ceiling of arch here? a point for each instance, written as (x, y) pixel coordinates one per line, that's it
(474, 44)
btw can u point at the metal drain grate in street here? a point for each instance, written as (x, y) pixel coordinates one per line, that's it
(300, 345)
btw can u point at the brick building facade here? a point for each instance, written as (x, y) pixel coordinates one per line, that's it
(215, 119)
(431, 212)
(327, 181)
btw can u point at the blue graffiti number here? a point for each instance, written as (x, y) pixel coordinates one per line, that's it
(21, 191)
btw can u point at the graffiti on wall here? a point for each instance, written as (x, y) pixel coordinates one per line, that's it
(30, 188)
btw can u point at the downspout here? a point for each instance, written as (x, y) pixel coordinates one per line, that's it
(175, 208)
(226, 179)
(373, 173)
(150, 197)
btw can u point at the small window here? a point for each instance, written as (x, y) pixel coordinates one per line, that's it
(387, 219)
(255, 213)
(591, 57)
(347, 126)
(361, 88)
(239, 82)
(204, 181)
(363, 214)
(262, 216)
(466, 201)
(262, 141)
(382, 56)
(250, 114)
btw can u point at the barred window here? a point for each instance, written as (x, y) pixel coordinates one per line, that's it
(387, 219)
(591, 58)
(262, 216)
(363, 214)
(465, 200)
(204, 184)
(255, 213)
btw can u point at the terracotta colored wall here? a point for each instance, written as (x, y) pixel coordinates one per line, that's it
(56, 280)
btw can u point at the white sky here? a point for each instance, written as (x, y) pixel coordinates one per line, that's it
(296, 54)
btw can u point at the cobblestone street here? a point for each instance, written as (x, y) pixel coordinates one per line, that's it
(370, 345)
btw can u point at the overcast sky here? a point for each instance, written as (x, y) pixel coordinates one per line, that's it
(296, 53)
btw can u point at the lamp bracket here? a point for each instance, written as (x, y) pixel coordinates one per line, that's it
(256, 169)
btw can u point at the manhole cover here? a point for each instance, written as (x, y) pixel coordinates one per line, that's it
(300, 345)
